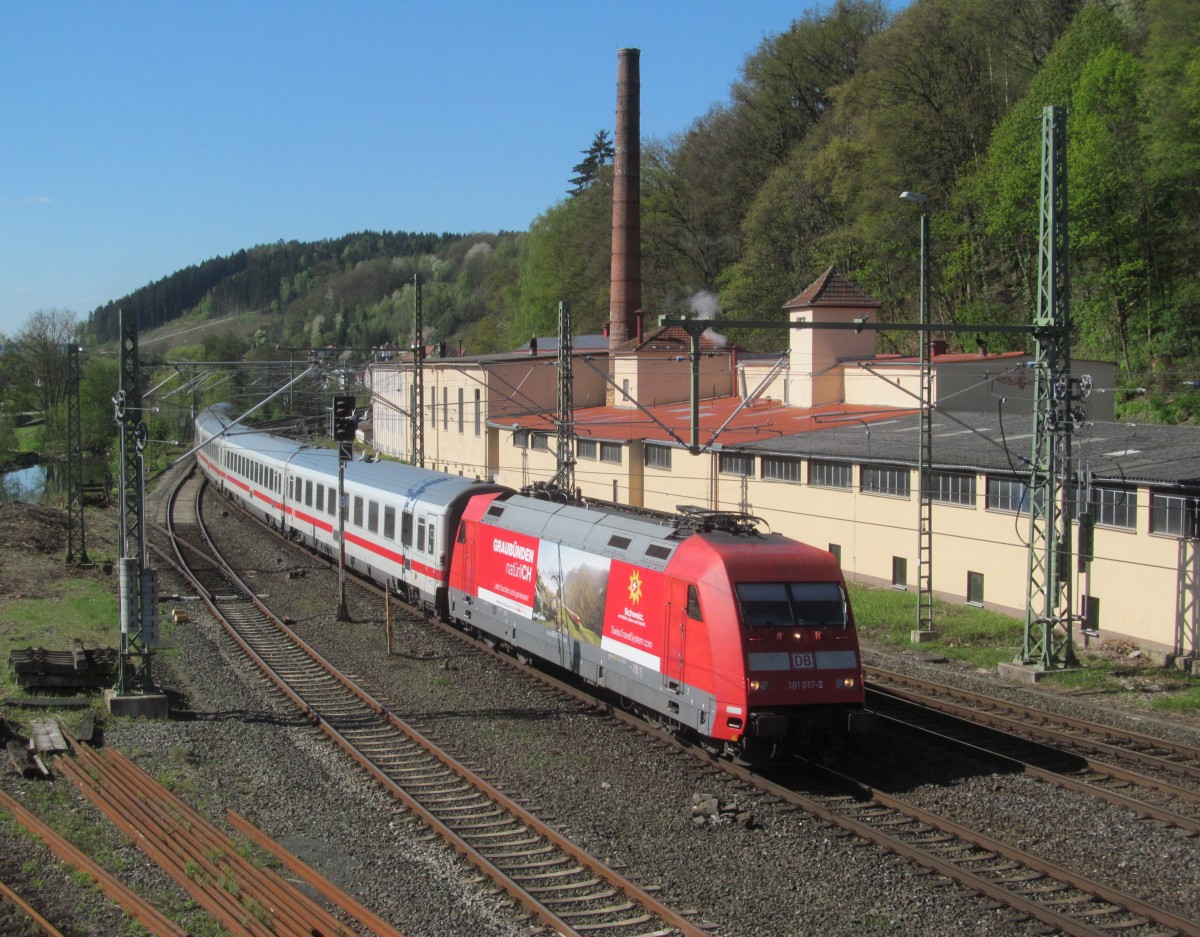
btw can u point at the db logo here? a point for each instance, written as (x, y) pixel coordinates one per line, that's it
(803, 661)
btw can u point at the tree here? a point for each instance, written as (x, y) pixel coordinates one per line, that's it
(595, 157)
(42, 347)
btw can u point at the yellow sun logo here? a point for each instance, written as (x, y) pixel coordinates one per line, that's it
(635, 587)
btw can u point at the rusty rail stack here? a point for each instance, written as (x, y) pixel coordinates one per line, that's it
(244, 899)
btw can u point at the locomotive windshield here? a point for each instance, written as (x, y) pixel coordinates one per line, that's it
(792, 604)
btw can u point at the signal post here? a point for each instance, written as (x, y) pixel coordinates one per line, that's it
(344, 425)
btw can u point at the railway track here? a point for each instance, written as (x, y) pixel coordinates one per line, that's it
(552, 879)
(1051, 748)
(1133, 748)
(1033, 887)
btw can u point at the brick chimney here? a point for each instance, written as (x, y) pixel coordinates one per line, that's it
(625, 293)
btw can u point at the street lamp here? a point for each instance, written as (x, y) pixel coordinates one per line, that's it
(924, 630)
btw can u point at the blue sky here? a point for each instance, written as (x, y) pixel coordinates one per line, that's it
(140, 138)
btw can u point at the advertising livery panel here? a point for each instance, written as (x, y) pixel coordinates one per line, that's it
(590, 599)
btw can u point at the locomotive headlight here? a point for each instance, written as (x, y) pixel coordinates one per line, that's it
(847, 683)
(755, 685)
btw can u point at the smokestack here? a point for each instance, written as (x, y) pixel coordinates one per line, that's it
(625, 292)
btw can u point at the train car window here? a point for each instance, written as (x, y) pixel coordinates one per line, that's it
(308, 499)
(658, 551)
(462, 532)
(430, 539)
(818, 603)
(618, 542)
(421, 534)
(693, 605)
(765, 604)
(406, 528)
(389, 522)
(358, 512)
(320, 497)
(373, 516)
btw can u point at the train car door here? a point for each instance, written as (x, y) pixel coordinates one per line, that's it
(679, 595)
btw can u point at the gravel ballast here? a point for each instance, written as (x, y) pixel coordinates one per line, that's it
(233, 742)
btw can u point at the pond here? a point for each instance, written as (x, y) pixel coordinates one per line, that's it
(27, 484)
(43, 483)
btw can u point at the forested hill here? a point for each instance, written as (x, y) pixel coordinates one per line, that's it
(267, 278)
(801, 168)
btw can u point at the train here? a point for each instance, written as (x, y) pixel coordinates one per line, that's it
(735, 636)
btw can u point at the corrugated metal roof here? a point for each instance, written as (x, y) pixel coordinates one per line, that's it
(1002, 442)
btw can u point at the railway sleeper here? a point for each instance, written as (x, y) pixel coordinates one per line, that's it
(543, 850)
(598, 912)
(628, 922)
(514, 828)
(525, 841)
(579, 886)
(530, 866)
(580, 899)
(468, 824)
(577, 869)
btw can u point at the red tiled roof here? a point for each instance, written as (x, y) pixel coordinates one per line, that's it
(673, 338)
(832, 289)
(761, 420)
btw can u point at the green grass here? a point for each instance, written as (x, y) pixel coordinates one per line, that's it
(985, 639)
(963, 632)
(1186, 700)
(30, 438)
(65, 609)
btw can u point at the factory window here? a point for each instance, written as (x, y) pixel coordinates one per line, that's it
(541, 442)
(952, 487)
(610, 452)
(658, 457)
(373, 516)
(389, 522)
(308, 493)
(1173, 515)
(460, 410)
(829, 474)
(432, 408)
(478, 412)
(974, 588)
(1112, 507)
(321, 497)
(781, 468)
(446, 408)
(1007, 494)
(521, 438)
(836, 550)
(899, 572)
(693, 605)
(406, 528)
(885, 480)
(586, 448)
(733, 463)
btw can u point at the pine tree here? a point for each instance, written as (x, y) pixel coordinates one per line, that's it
(599, 154)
